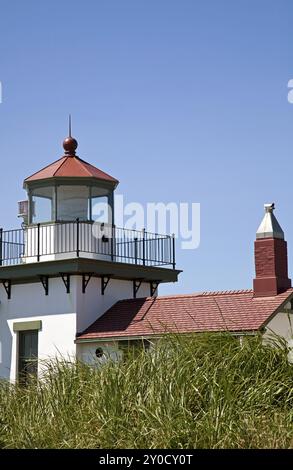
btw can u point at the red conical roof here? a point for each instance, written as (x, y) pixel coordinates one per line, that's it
(70, 166)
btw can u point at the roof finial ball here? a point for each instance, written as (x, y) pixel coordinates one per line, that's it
(70, 144)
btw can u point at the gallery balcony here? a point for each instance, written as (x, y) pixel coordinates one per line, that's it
(82, 246)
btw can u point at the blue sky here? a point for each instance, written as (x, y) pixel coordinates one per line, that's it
(181, 100)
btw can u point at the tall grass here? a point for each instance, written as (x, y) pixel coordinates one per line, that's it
(204, 391)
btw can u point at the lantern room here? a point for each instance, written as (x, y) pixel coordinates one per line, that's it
(70, 189)
(69, 215)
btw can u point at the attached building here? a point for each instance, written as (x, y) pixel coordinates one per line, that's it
(267, 308)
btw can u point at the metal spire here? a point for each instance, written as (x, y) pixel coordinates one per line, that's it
(70, 144)
(69, 125)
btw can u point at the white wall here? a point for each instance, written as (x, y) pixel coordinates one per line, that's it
(55, 339)
(62, 315)
(281, 325)
(28, 303)
(86, 352)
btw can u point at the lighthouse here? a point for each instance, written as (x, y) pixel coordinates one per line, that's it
(69, 263)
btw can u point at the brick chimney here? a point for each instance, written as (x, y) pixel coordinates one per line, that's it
(271, 260)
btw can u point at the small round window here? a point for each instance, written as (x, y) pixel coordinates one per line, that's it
(99, 352)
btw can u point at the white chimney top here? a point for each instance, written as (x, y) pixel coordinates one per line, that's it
(269, 227)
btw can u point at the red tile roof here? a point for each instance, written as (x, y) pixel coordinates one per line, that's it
(207, 311)
(68, 166)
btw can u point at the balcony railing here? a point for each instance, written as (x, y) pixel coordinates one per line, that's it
(44, 242)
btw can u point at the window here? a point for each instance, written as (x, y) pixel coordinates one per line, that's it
(72, 202)
(100, 208)
(27, 355)
(99, 352)
(42, 205)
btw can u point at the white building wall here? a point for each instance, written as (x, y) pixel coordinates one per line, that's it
(86, 352)
(52, 340)
(280, 325)
(62, 315)
(28, 302)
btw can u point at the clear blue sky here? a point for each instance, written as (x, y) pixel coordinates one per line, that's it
(181, 100)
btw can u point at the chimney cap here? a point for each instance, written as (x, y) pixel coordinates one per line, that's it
(270, 207)
(269, 227)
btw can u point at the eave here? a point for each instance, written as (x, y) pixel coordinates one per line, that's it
(30, 272)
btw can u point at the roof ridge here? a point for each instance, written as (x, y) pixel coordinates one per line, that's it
(227, 292)
(195, 294)
(65, 160)
(95, 168)
(81, 163)
(45, 167)
(208, 293)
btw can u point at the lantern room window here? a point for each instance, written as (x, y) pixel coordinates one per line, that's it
(69, 202)
(86, 203)
(101, 207)
(42, 207)
(72, 202)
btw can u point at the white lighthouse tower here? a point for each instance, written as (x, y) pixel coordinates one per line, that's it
(62, 269)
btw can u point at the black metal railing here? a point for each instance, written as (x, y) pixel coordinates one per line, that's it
(42, 242)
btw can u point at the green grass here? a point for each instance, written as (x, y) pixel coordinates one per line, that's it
(199, 392)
